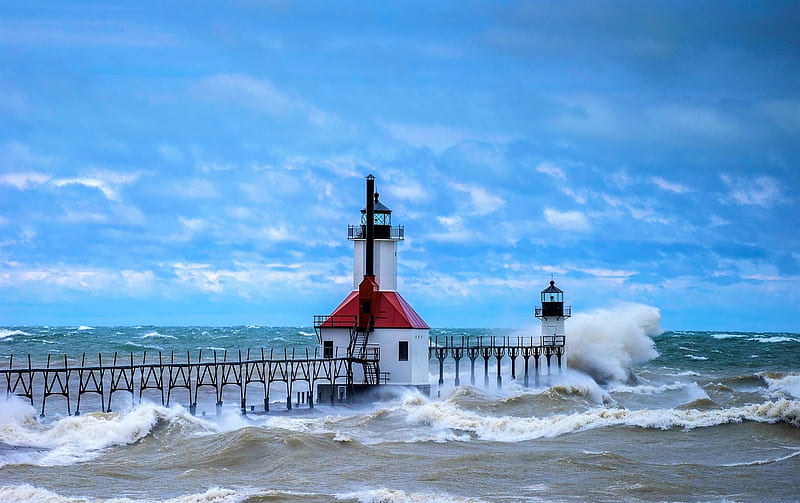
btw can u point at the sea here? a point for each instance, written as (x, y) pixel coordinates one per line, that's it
(640, 413)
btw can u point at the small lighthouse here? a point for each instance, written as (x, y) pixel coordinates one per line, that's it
(552, 314)
(386, 340)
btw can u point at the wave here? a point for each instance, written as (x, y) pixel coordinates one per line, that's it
(728, 336)
(84, 328)
(11, 333)
(787, 385)
(608, 343)
(31, 494)
(515, 429)
(384, 495)
(695, 357)
(305, 333)
(775, 339)
(648, 389)
(156, 334)
(760, 462)
(75, 439)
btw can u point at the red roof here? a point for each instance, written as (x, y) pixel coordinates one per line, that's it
(392, 311)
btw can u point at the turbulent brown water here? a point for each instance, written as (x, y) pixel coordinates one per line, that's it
(687, 416)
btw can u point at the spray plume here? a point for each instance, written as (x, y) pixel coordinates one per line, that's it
(607, 343)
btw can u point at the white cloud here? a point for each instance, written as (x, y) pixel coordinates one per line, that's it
(23, 181)
(194, 189)
(759, 191)
(258, 94)
(669, 186)
(439, 138)
(483, 202)
(107, 182)
(614, 275)
(567, 220)
(550, 169)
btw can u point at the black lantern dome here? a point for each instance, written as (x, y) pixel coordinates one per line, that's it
(552, 299)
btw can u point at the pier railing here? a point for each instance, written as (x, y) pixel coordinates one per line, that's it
(166, 374)
(490, 348)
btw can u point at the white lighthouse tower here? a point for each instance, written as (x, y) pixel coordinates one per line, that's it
(552, 314)
(374, 319)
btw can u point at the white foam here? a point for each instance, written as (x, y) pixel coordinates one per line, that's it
(84, 327)
(154, 333)
(788, 385)
(774, 339)
(759, 462)
(79, 438)
(515, 429)
(648, 389)
(695, 357)
(11, 333)
(305, 333)
(607, 343)
(31, 494)
(728, 336)
(384, 495)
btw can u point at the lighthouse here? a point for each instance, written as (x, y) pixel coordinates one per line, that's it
(385, 339)
(552, 314)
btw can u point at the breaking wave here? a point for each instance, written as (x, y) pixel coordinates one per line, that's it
(32, 494)
(384, 495)
(515, 429)
(79, 438)
(608, 343)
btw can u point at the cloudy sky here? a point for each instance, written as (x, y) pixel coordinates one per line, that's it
(198, 162)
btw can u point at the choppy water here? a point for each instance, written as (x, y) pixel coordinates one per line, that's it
(677, 416)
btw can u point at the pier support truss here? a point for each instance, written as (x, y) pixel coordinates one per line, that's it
(286, 369)
(498, 348)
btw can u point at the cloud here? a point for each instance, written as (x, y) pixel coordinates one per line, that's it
(482, 201)
(439, 138)
(757, 191)
(550, 169)
(669, 186)
(23, 181)
(567, 220)
(107, 182)
(258, 94)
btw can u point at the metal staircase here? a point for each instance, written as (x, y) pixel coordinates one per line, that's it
(368, 357)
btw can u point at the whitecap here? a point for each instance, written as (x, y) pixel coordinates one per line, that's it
(786, 385)
(695, 357)
(84, 327)
(647, 389)
(27, 492)
(156, 334)
(11, 333)
(305, 333)
(74, 439)
(385, 495)
(775, 339)
(728, 336)
(515, 429)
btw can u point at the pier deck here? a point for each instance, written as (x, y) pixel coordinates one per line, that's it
(292, 370)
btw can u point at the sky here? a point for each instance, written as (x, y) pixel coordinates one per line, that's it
(197, 163)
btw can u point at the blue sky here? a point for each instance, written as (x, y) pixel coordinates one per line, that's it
(198, 162)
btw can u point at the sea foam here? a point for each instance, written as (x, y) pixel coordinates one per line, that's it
(607, 343)
(31, 494)
(79, 438)
(384, 495)
(515, 429)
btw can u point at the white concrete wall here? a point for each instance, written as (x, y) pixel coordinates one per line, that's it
(385, 266)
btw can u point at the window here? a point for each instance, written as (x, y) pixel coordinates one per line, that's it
(327, 349)
(402, 351)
